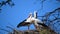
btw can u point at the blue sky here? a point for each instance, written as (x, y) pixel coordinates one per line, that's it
(14, 15)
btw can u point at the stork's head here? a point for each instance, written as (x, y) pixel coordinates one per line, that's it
(30, 15)
(35, 14)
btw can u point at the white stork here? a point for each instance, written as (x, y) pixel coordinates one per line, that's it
(26, 22)
(38, 23)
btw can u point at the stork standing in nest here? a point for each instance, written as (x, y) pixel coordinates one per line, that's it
(26, 22)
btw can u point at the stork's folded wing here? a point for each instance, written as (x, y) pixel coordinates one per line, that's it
(23, 23)
(43, 24)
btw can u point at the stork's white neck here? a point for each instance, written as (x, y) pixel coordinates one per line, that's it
(30, 15)
(35, 14)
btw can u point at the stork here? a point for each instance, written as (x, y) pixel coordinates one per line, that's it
(26, 22)
(38, 23)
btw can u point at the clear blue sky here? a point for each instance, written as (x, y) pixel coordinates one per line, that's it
(21, 10)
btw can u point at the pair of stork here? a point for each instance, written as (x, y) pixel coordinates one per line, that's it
(31, 20)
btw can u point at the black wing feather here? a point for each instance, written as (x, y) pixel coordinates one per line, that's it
(23, 23)
(43, 24)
